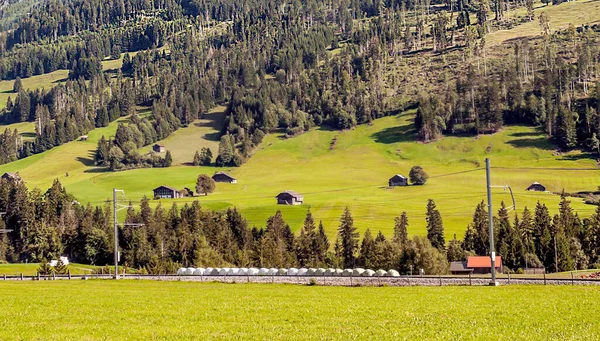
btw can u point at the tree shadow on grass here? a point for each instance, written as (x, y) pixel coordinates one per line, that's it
(539, 143)
(578, 157)
(526, 134)
(88, 162)
(28, 135)
(405, 133)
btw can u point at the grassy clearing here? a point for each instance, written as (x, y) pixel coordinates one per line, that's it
(354, 174)
(30, 269)
(130, 310)
(577, 13)
(201, 133)
(45, 81)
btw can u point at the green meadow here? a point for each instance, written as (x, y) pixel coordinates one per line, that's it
(146, 310)
(353, 173)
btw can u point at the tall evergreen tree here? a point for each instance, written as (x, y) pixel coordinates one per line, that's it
(435, 227)
(348, 236)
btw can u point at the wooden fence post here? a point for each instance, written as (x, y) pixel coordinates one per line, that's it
(572, 278)
(440, 280)
(509, 278)
(544, 276)
(470, 282)
(21, 276)
(69, 273)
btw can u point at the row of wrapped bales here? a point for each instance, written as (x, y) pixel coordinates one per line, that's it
(320, 272)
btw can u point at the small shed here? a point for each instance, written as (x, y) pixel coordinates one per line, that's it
(398, 180)
(460, 268)
(289, 198)
(483, 264)
(12, 177)
(224, 177)
(83, 138)
(166, 192)
(158, 148)
(536, 186)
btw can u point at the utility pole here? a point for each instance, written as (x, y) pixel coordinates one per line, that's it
(116, 232)
(117, 207)
(491, 222)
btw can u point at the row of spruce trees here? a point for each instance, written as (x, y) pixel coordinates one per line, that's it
(52, 224)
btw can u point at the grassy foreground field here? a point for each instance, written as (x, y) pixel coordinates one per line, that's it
(130, 310)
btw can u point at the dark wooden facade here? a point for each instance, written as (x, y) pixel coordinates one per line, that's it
(289, 198)
(158, 148)
(166, 192)
(398, 180)
(224, 177)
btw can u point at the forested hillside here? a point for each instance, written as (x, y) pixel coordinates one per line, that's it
(469, 69)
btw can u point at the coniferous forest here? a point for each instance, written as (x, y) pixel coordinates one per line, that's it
(288, 66)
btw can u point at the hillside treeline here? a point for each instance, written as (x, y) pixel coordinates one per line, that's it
(293, 66)
(539, 85)
(51, 224)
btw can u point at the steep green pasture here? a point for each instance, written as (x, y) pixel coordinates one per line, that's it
(205, 132)
(141, 310)
(354, 173)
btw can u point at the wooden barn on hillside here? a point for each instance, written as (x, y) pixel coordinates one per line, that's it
(158, 148)
(536, 186)
(398, 180)
(289, 198)
(166, 192)
(12, 177)
(224, 177)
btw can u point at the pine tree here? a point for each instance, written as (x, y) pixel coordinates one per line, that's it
(455, 251)
(348, 236)
(168, 159)
(197, 161)
(400, 229)
(435, 227)
(367, 256)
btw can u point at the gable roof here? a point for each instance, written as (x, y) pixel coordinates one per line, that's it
(398, 176)
(292, 193)
(483, 262)
(11, 175)
(223, 173)
(459, 267)
(167, 187)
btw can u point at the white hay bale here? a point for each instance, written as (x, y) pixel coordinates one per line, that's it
(380, 273)
(223, 271)
(215, 272)
(233, 272)
(263, 272)
(358, 272)
(181, 271)
(273, 272)
(311, 272)
(208, 271)
(189, 271)
(368, 273)
(392, 273)
(292, 272)
(302, 272)
(320, 272)
(347, 272)
(199, 272)
(330, 272)
(252, 272)
(338, 272)
(243, 271)
(282, 272)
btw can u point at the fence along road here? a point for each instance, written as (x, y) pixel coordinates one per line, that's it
(326, 280)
